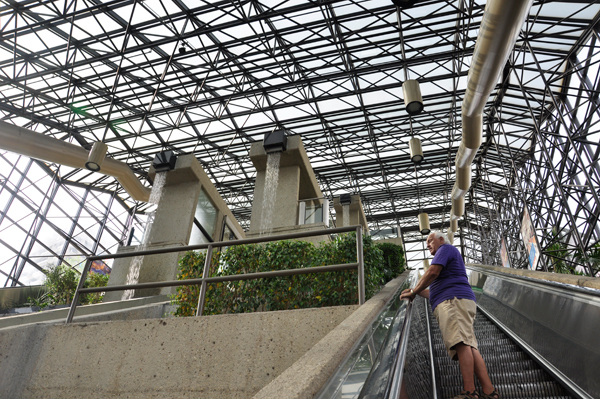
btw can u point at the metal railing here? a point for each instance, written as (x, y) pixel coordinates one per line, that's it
(359, 265)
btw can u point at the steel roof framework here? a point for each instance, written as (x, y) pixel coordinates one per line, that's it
(210, 78)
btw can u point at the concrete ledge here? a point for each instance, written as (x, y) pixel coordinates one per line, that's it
(225, 356)
(60, 315)
(581, 281)
(310, 373)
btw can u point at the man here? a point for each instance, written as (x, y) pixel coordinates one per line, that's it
(453, 304)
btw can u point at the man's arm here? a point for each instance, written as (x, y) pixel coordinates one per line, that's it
(430, 275)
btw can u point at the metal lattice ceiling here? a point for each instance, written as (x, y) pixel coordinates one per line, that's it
(210, 78)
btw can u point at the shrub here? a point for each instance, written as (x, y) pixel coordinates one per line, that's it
(280, 293)
(93, 280)
(61, 282)
(393, 257)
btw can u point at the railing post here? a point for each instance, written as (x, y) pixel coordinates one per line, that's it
(361, 266)
(76, 295)
(207, 263)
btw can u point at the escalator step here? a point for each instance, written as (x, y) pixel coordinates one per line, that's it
(496, 367)
(544, 389)
(523, 376)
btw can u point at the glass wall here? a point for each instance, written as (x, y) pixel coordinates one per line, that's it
(205, 220)
(46, 220)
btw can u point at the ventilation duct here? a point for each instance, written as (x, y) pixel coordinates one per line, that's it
(500, 27)
(454, 225)
(36, 145)
(450, 235)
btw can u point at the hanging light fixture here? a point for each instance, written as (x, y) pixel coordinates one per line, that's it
(416, 151)
(424, 223)
(404, 3)
(413, 101)
(96, 156)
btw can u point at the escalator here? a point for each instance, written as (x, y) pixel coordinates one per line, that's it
(538, 340)
(512, 371)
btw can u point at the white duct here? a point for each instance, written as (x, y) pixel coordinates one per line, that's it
(500, 27)
(36, 145)
(454, 225)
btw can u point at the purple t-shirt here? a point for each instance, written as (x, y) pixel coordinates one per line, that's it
(452, 281)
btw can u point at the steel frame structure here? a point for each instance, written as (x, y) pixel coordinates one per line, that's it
(210, 78)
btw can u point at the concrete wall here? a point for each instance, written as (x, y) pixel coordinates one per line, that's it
(137, 308)
(305, 378)
(227, 356)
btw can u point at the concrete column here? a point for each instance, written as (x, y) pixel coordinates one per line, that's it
(172, 227)
(356, 213)
(296, 181)
(285, 208)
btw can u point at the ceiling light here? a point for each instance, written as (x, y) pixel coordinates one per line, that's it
(416, 151)
(424, 223)
(96, 157)
(412, 97)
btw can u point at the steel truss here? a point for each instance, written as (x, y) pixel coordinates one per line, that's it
(210, 78)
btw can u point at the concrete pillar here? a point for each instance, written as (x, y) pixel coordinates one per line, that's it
(172, 227)
(356, 213)
(296, 182)
(285, 209)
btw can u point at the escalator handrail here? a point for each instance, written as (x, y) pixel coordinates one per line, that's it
(393, 387)
(394, 345)
(434, 388)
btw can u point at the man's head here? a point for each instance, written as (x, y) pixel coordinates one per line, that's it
(435, 240)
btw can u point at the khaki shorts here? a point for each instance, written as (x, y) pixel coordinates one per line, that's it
(456, 317)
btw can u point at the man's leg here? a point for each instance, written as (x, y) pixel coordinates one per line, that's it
(481, 372)
(466, 363)
(471, 362)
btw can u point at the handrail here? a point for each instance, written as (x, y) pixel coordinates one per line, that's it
(385, 378)
(434, 388)
(359, 265)
(395, 383)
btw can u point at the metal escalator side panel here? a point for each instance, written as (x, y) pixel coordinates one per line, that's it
(353, 370)
(405, 366)
(385, 377)
(556, 324)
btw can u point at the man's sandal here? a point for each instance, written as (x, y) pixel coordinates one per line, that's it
(467, 395)
(493, 395)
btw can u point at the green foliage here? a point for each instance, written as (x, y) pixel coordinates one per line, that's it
(592, 256)
(280, 293)
(557, 254)
(93, 280)
(61, 283)
(393, 256)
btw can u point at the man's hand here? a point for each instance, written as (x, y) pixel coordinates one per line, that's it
(408, 294)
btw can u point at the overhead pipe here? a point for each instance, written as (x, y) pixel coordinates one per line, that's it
(36, 145)
(500, 27)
